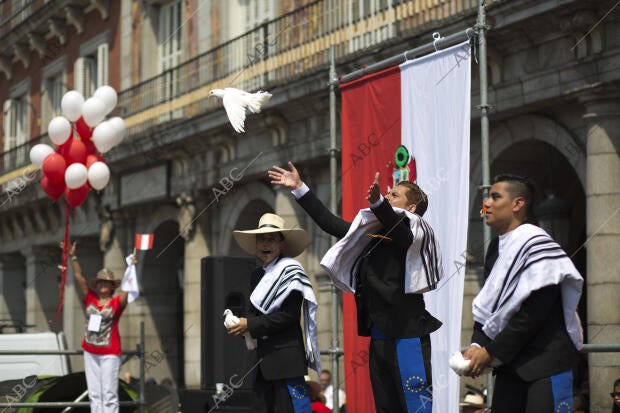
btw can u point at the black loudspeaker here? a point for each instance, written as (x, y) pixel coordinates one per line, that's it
(225, 283)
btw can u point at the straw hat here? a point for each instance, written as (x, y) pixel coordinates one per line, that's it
(104, 275)
(295, 239)
(473, 400)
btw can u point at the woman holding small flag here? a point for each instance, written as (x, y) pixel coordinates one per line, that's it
(102, 343)
(280, 288)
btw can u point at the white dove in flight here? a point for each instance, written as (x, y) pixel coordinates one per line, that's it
(236, 101)
(230, 320)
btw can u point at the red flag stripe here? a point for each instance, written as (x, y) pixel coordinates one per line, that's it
(371, 133)
(144, 241)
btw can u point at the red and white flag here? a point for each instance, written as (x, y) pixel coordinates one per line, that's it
(411, 122)
(144, 241)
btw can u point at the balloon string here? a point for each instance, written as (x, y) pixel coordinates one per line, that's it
(63, 267)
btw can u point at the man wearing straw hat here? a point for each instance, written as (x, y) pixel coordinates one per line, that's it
(387, 257)
(279, 289)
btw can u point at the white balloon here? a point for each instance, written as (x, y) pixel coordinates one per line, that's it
(59, 130)
(104, 136)
(72, 103)
(119, 128)
(98, 175)
(39, 152)
(108, 95)
(76, 175)
(93, 111)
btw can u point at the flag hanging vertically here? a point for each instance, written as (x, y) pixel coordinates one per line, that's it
(144, 241)
(411, 122)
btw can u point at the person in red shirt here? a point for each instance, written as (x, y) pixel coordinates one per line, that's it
(101, 343)
(317, 400)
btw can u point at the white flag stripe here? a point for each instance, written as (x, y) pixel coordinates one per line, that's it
(144, 241)
(435, 98)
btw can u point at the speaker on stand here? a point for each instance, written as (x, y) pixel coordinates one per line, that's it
(225, 361)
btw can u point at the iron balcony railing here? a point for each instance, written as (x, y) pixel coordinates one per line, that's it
(282, 50)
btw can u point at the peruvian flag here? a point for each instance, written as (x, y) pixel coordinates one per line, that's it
(144, 241)
(412, 122)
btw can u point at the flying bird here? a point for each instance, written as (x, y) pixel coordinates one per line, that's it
(230, 320)
(236, 102)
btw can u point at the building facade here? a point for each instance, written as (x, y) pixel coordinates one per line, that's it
(184, 175)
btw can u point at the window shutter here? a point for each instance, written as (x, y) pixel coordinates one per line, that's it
(79, 76)
(102, 65)
(9, 136)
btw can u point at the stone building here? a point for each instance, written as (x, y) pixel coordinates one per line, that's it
(183, 174)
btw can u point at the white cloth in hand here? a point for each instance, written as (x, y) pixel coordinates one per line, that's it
(458, 363)
(130, 280)
(230, 320)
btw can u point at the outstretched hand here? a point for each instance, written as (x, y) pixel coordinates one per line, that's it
(288, 179)
(373, 190)
(71, 250)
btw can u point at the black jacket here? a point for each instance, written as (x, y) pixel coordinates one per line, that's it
(280, 341)
(380, 284)
(534, 343)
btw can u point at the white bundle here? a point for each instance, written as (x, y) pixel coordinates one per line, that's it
(230, 320)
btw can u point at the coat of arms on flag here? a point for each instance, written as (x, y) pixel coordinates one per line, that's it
(144, 241)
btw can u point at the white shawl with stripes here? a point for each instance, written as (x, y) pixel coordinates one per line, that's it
(423, 268)
(528, 260)
(280, 279)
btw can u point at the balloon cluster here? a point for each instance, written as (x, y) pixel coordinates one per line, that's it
(76, 165)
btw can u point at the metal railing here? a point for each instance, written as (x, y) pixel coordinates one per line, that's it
(141, 402)
(17, 17)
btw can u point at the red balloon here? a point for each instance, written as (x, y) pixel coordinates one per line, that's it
(91, 159)
(83, 129)
(75, 197)
(54, 167)
(91, 149)
(53, 190)
(74, 151)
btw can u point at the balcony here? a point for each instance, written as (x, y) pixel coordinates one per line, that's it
(277, 52)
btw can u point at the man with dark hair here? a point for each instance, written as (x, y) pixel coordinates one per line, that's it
(415, 196)
(387, 257)
(525, 315)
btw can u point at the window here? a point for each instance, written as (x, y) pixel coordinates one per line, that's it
(92, 67)
(53, 88)
(169, 46)
(256, 47)
(16, 129)
(20, 10)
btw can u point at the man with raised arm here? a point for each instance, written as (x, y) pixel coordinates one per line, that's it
(387, 257)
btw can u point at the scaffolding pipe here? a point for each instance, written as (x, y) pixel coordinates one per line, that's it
(333, 205)
(142, 372)
(481, 28)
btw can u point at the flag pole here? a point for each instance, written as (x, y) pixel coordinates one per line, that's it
(427, 48)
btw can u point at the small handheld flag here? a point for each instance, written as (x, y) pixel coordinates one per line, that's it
(144, 241)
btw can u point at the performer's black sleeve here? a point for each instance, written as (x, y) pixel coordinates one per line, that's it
(524, 324)
(478, 335)
(395, 225)
(287, 316)
(322, 216)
